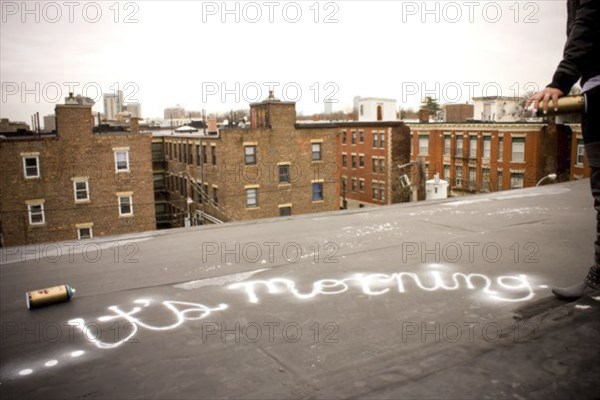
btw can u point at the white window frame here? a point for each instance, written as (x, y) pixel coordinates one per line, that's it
(425, 139)
(319, 151)
(121, 170)
(487, 148)
(41, 212)
(514, 141)
(255, 191)
(458, 151)
(87, 190)
(37, 166)
(91, 228)
(130, 197)
(447, 141)
(512, 179)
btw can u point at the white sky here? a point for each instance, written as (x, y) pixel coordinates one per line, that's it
(377, 48)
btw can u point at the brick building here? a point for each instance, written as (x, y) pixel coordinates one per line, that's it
(480, 157)
(369, 153)
(273, 167)
(579, 165)
(458, 113)
(75, 183)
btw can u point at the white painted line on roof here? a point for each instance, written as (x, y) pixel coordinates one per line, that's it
(218, 281)
(582, 307)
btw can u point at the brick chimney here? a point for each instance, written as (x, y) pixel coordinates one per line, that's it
(423, 115)
(134, 125)
(211, 124)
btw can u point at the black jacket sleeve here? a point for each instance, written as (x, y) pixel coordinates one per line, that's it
(579, 54)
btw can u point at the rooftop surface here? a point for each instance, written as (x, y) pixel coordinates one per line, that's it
(446, 299)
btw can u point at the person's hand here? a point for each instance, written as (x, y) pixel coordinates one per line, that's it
(544, 96)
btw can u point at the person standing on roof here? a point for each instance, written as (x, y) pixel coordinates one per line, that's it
(581, 60)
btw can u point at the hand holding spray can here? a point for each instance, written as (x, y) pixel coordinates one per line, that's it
(52, 295)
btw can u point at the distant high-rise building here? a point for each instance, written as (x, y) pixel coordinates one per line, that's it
(113, 105)
(49, 123)
(135, 109)
(176, 112)
(328, 107)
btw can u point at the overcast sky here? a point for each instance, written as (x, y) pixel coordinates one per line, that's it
(183, 53)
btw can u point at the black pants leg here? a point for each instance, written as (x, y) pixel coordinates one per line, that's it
(590, 125)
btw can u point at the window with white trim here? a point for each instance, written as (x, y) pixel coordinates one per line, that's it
(316, 151)
(447, 144)
(36, 214)
(423, 145)
(516, 180)
(85, 233)
(250, 155)
(31, 167)
(518, 149)
(317, 191)
(81, 190)
(125, 205)
(473, 147)
(487, 147)
(252, 198)
(122, 161)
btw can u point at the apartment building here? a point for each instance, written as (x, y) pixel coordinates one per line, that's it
(272, 167)
(369, 154)
(480, 157)
(75, 183)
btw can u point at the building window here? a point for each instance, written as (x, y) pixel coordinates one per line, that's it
(487, 147)
(250, 155)
(344, 184)
(285, 211)
(353, 185)
(353, 161)
(447, 144)
(446, 172)
(382, 140)
(31, 167)
(459, 146)
(485, 184)
(213, 153)
(382, 193)
(316, 151)
(361, 136)
(423, 145)
(125, 206)
(500, 148)
(284, 174)
(458, 176)
(344, 160)
(36, 214)
(85, 233)
(362, 109)
(500, 179)
(381, 165)
(344, 137)
(473, 147)
(361, 161)
(81, 190)
(518, 150)
(251, 198)
(317, 191)
(353, 137)
(580, 153)
(375, 191)
(516, 180)
(361, 185)
(215, 195)
(375, 141)
(203, 153)
(197, 154)
(472, 178)
(122, 161)
(374, 165)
